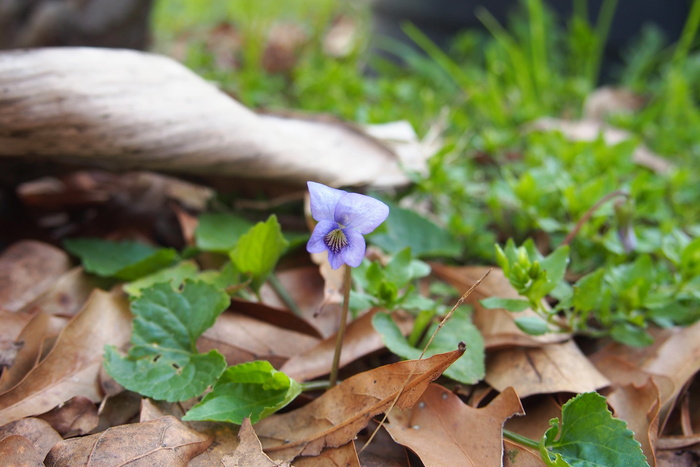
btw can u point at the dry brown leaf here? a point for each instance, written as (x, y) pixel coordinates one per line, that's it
(677, 358)
(334, 418)
(673, 359)
(76, 417)
(27, 269)
(73, 366)
(549, 369)
(18, 451)
(38, 432)
(520, 456)
(37, 335)
(65, 297)
(540, 410)
(343, 456)
(224, 441)
(383, 451)
(639, 407)
(249, 451)
(497, 326)
(242, 339)
(279, 317)
(440, 428)
(360, 339)
(165, 441)
(119, 409)
(170, 120)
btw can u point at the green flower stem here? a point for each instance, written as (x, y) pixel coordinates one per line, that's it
(527, 442)
(315, 385)
(347, 284)
(281, 291)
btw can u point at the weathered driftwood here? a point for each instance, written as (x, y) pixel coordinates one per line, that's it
(125, 110)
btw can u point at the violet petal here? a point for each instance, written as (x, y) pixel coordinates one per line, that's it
(360, 212)
(354, 253)
(323, 200)
(316, 243)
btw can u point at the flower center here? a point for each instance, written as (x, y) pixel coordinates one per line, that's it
(335, 240)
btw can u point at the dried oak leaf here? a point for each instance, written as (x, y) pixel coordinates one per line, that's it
(345, 456)
(639, 406)
(72, 367)
(249, 452)
(76, 417)
(334, 418)
(38, 432)
(18, 451)
(440, 428)
(27, 269)
(549, 369)
(161, 442)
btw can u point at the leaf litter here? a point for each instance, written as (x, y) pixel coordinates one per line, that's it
(62, 320)
(58, 407)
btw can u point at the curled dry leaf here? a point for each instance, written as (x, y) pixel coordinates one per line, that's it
(443, 430)
(335, 417)
(360, 339)
(672, 359)
(165, 441)
(169, 120)
(639, 407)
(72, 367)
(549, 369)
(18, 451)
(76, 417)
(497, 326)
(242, 339)
(345, 455)
(224, 441)
(520, 456)
(27, 269)
(249, 451)
(38, 432)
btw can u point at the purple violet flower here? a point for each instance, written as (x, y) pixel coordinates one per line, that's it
(343, 218)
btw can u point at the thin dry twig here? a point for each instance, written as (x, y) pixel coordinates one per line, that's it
(413, 369)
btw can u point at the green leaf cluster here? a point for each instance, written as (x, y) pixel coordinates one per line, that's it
(390, 286)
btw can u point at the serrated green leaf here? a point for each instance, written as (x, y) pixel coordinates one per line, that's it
(532, 325)
(125, 260)
(589, 436)
(405, 228)
(510, 304)
(258, 251)
(174, 275)
(468, 369)
(169, 375)
(163, 362)
(250, 390)
(219, 232)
